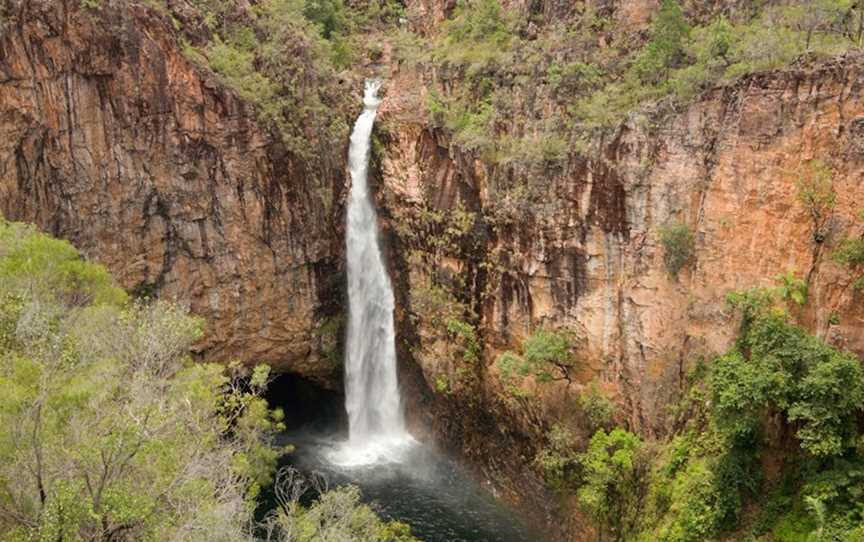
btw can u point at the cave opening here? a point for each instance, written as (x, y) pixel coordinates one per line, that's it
(307, 403)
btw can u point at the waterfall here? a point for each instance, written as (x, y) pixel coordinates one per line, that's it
(375, 416)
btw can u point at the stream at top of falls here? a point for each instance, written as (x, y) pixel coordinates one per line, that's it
(404, 479)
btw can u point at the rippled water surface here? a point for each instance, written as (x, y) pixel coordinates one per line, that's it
(424, 489)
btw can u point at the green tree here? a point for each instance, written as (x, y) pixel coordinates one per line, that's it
(816, 193)
(665, 51)
(329, 15)
(778, 365)
(110, 432)
(615, 482)
(107, 430)
(791, 288)
(546, 355)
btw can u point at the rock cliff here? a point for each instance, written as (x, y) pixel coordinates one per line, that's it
(589, 259)
(115, 140)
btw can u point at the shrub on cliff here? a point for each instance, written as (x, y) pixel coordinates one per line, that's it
(850, 253)
(558, 460)
(665, 50)
(281, 56)
(597, 408)
(546, 355)
(679, 246)
(479, 33)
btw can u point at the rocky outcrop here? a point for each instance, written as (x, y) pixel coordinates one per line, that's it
(587, 257)
(110, 137)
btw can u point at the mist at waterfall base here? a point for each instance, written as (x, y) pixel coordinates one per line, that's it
(426, 489)
(404, 480)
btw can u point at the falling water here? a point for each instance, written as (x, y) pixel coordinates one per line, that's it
(375, 417)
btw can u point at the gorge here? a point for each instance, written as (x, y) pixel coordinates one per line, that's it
(592, 217)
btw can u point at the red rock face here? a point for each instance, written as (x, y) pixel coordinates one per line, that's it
(587, 256)
(111, 138)
(727, 166)
(115, 141)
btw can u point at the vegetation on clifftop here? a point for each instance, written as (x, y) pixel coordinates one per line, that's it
(289, 58)
(526, 94)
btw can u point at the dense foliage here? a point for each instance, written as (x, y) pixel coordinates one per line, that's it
(247, 45)
(850, 253)
(612, 490)
(546, 355)
(335, 515)
(109, 432)
(778, 396)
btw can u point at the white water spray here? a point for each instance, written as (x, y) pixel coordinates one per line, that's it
(375, 416)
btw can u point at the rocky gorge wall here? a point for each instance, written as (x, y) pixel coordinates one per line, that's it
(113, 139)
(588, 258)
(120, 143)
(727, 166)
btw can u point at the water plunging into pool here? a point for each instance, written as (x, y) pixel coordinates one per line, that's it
(376, 420)
(405, 480)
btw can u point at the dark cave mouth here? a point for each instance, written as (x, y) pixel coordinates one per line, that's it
(307, 404)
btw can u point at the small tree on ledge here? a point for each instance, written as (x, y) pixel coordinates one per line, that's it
(546, 355)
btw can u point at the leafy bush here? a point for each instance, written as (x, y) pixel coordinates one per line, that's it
(850, 253)
(337, 514)
(777, 364)
(558, 460)
(479, 33)
(679, 247)
(467, 336)
(52, 269)
(665, 50)
(614, 481)
(546, 355)
(237, 66)
(791, 288)
(124, 433)
(816, 193)
(329, 15)
(597, 408)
